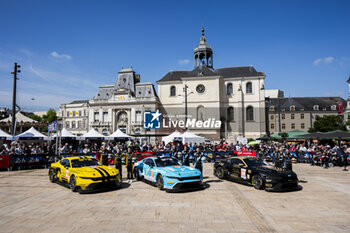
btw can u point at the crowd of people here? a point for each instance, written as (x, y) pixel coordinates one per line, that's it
(317, 154)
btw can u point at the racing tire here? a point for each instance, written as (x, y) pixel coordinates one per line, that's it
(73, 184)
(330, 165)
(52, 176)
(220, 173)
(160, 182)
(257, 182)
(137, 174)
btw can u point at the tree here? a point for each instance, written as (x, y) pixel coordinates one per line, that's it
(328, 123)
(34, 117)
(50, 116)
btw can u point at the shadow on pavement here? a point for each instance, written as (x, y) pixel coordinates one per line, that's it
(213, 181)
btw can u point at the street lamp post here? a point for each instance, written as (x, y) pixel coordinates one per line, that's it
(15, 71)
(185, 94)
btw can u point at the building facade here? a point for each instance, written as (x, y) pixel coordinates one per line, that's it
(115, 106)
(299, 113)
(233, 95)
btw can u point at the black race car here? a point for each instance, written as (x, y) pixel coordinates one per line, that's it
(256, 172)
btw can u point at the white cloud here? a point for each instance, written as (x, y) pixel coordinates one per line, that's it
(325, 60)
(183, 61)
(65, 56)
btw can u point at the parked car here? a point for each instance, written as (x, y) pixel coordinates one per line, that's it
(256, 172)
(167, 173)
(83, 173)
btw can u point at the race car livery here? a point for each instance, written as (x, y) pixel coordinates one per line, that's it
(83, 173)
(256, 172)
(166, 173)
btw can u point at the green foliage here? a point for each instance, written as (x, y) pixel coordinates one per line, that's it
(250, 139)
(50, 116)
(34, 117)
(328, 123)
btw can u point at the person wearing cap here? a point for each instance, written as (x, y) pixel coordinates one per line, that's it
(186, 156)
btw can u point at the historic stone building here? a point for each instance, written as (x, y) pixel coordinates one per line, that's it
(234, 95)
(299, 113)
(115, 106)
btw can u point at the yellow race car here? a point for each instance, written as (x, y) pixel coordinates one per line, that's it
(83, 173)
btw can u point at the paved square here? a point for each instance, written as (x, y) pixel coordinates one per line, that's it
(30, 203)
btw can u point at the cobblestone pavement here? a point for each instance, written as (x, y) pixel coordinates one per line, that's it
(30, 203)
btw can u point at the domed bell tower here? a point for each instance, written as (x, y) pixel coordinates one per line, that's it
(203, 54)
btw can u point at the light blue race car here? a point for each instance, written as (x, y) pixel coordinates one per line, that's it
(166, 173)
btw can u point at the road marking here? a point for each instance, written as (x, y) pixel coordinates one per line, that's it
(253, 214)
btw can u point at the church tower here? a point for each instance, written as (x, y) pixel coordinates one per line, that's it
(203, 54)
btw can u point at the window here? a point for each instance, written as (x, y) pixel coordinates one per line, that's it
(105, 116)
(73, 125)
(292, 116)
(236, 161)
(79, 112)
(229, 90)
(67, 113)
(333, 107)
(96, 116)
(172, 91)
(292, 108)
(250, 113)
(79, 124)
(84, 124)
(104, 132)
(272, 126)
(283, 116)
(272, 108)
(138, 116)
(283, 126)
(65, 162)
(293, 126)
(302, 116)
(230, 114)
(74, 113)
(84, 112)
(302, 125)
(316, 107)
(272, 117)
(67, 125)
(249, 88)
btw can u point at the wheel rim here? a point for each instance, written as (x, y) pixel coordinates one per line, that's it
(72, 183)
(160, 182)
(220, 173)
(256, 182)
(51, 175)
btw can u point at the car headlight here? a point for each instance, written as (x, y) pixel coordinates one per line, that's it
(172, 177)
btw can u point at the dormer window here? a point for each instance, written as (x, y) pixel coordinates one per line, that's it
(334, 107)
(316, 107)
(292, 108)
(272, 108)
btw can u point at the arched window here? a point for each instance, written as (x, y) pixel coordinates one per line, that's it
(201, 114)
(250, 113)
(67, 125)
(172, 91)
(249, 87)
(316, 107)
(229, 89)
(73, 125)
(292, 108)
(230, 114)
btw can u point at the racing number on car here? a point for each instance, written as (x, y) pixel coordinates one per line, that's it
(67, 174)
(243, 173)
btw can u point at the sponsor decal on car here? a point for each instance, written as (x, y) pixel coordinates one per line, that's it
(152, 173)
(67, 174)
(243, 173)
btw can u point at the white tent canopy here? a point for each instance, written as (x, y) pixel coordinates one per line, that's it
(93, 135)
(189, 137)
(175, 135)
(31, 134)
(19, 118)
(118, 135)
(65, 134)
(4, 135)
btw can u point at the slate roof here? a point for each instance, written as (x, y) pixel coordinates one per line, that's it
(79, 102)
(306, 103)
(228, 72)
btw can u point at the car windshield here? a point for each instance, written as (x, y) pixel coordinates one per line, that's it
(255, 162)
(85, 163)
(164, 162)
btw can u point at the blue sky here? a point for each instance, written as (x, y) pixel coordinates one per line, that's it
(69, 48)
